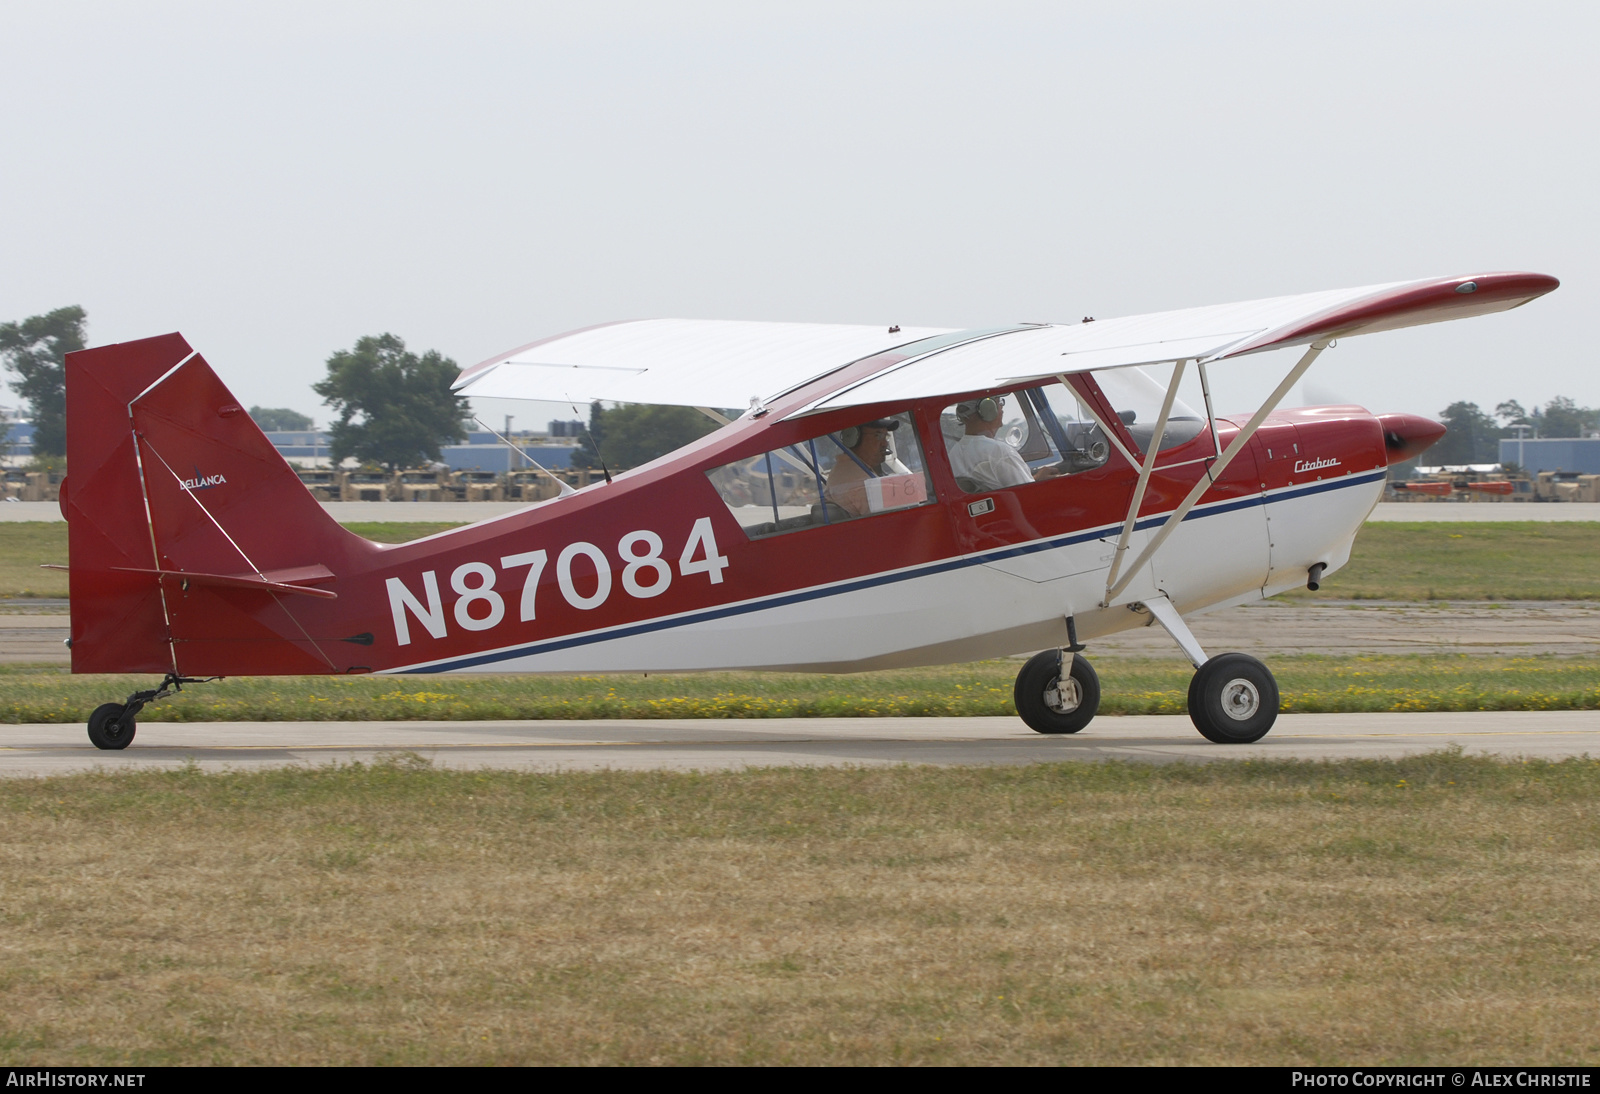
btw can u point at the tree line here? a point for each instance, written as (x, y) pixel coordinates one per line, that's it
(392, 407)
(1474, 436)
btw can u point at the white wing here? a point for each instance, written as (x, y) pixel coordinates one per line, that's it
(1206, 334)
(715, 363)
(683, 362)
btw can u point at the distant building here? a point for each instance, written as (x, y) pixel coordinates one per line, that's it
(300, 444)
(1461, 469)
(19, 438)
(567, 429)
(482, 452)
(500, 459)
(1535, 454)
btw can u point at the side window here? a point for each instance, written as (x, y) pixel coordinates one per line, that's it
(874, 467)
(1136, 397)
(1019, 437)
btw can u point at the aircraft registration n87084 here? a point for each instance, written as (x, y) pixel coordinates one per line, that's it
(889, 498)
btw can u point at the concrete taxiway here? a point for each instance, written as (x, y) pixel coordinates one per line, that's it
(706, 745)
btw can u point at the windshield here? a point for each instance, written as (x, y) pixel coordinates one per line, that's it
(1136, 396)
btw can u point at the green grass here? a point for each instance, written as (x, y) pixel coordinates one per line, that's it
(1488, 561)
(1436, 910)
(398, 531)
(26, 545)
(1513, 560)
(1309, 684)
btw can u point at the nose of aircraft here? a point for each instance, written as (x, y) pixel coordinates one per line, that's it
(1408, 435)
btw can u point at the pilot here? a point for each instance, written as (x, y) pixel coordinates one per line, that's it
(867, 454)
(979, 456)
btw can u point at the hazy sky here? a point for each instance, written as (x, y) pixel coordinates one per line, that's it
(276, 180)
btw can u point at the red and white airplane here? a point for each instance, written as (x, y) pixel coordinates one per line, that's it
(891, 497)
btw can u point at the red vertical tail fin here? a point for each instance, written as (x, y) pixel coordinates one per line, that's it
(188, 533)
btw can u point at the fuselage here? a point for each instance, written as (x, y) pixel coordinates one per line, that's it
(750, 548)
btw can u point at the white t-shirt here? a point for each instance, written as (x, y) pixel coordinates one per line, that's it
(991, 463)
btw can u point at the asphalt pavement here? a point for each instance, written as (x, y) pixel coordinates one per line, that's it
(707, 745)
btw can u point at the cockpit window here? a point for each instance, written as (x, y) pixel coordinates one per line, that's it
(866, 469)
(1019, 437)
(1136, 397)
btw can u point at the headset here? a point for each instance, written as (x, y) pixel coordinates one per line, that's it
(983, 409)
(850, 436)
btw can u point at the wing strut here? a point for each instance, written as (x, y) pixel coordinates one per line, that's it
(1168, 526)
(1211, 417)
(1144, 471)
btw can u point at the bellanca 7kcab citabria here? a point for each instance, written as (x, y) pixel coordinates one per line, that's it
(889, 497)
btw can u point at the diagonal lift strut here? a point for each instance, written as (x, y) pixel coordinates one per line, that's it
(1115, 584)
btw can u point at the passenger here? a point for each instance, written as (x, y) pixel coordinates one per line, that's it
(868, 457)
(978, 456)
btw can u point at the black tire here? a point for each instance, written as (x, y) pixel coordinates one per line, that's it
(111, 727)
(1233, 699)
(1039, 699)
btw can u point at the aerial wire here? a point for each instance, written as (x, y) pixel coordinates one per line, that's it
(592, 442)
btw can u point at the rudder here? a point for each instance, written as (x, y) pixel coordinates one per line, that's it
(181, 515)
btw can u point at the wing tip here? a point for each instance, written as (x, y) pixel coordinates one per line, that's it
(1412, 303)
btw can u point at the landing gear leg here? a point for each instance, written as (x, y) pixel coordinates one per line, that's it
(112, 725)
(1233, 699)
(1057, 691)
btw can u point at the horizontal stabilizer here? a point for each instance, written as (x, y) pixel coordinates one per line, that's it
(274, 581)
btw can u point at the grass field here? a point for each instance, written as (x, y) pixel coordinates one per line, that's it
(1309, 684)
(1417, 561)
(27, 545)
(1512, 560)
(1435, 910)
(1392, 561)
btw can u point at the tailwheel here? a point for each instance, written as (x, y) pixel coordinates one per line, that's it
(1233, 699)
(1054, 696)
(111, 726)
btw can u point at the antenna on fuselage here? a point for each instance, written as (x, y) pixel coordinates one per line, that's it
(594, 444)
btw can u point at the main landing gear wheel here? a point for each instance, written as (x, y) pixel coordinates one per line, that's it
(1233, 699)
(111, 726)
(1052, 701)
